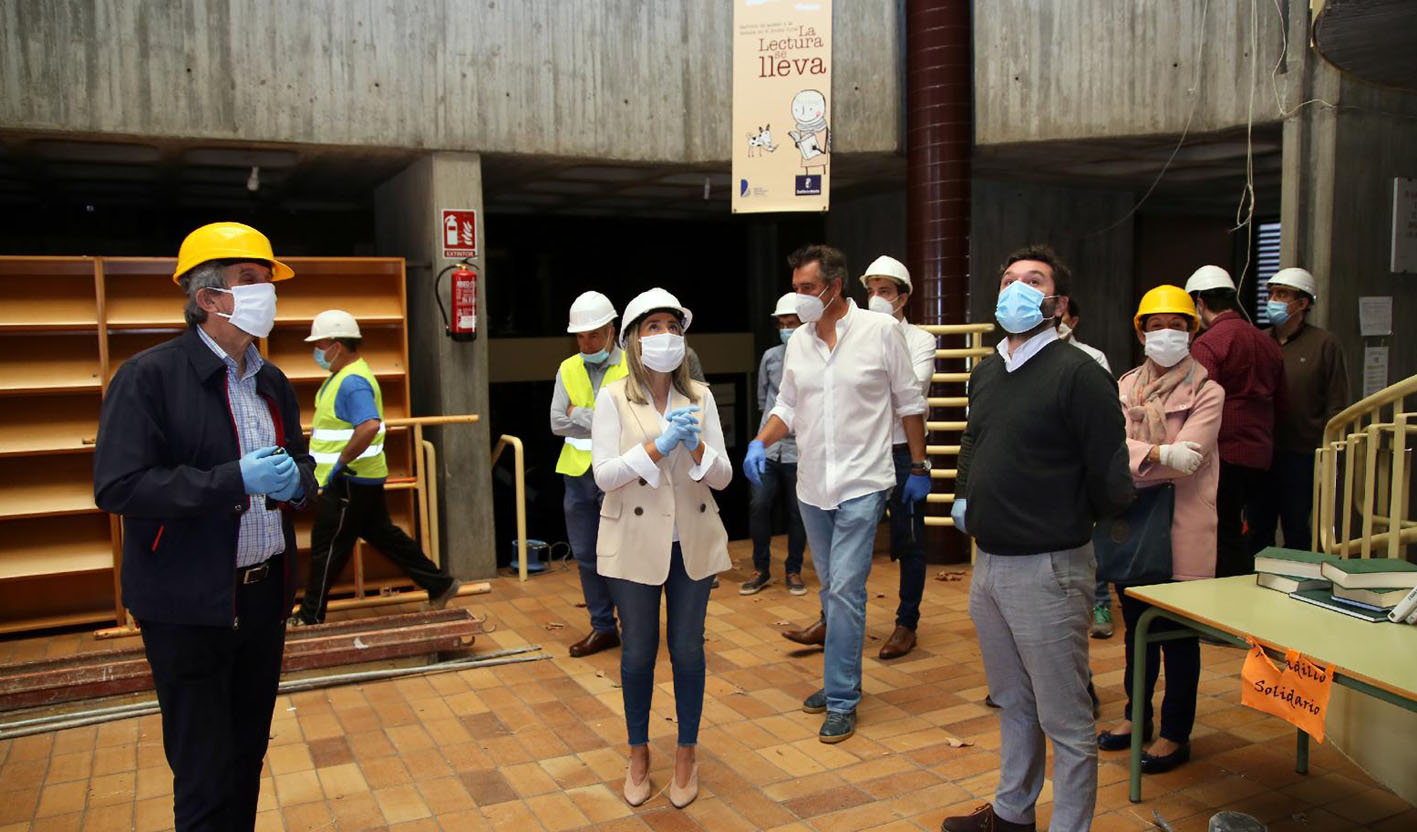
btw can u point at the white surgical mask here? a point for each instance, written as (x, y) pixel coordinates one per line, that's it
(662, 353)
(1167, 346)
(254, 308)
(810, 307)
(880, 304)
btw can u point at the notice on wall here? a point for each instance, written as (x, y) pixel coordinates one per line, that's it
(1374, 370)
(1375, 316)
(459, 233)
(782, 137)
(1404, 225)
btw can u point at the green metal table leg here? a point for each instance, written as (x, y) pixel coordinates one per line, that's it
(1139, 643)
(1301, 753)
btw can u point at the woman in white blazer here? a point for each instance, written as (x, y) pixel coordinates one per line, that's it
(656, 450)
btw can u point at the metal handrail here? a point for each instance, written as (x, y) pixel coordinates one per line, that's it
(973, 350)
(519, 476)
(1365, 457)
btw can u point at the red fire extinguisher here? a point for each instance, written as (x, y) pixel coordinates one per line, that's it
(463, 298)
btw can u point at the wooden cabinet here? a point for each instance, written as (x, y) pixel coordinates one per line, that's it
(66, 325)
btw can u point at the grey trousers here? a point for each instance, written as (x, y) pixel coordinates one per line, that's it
(1032, 614)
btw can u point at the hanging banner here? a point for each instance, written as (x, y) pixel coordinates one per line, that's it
(782, 136)
(1298, 694)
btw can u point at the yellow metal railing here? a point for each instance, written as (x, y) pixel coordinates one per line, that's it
(1362, 474)
(974, 350)
(519, 475)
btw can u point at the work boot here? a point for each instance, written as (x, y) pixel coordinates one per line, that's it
(442, 599)
(983, 819)
(1101, 622)
(755, 584)
(816, 634)
(902, 641)
(595, 642)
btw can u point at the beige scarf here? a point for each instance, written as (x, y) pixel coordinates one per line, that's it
(1146, 403)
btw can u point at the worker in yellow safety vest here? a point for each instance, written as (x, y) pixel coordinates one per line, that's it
(578, 380)
(347, 442)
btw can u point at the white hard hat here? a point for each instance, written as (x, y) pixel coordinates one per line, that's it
(333, 323)
(1209, 277)
(1296, 278)
(887, 266)
(591, 310)
(646, 302)
(786, 305)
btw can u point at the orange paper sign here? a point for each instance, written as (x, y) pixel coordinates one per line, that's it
(1298, 694)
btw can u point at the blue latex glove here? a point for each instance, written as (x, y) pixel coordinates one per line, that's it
(685, 416)
(957, 512)
(916, 487)
(263, 471)
(675, 432)
(336, 471)
(755, 462)
(291, 490)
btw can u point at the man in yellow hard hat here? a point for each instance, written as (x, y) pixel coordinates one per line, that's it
(347, 441)
(200, 450)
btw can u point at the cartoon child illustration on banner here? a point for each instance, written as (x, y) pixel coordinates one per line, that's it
(812, 138)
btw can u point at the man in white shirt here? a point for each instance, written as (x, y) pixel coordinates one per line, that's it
(846, 381)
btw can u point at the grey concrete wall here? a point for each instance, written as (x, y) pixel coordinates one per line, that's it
(609, 79)
(1052, 70)
(447, 377)
(865, 228)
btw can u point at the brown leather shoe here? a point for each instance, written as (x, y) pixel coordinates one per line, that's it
(902, 641)
(595, 642)
(983, 819)
(816, 634)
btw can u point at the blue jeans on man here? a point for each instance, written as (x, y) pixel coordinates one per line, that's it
(582, 509)
(841, 540)
(777, 478)
(907, 543)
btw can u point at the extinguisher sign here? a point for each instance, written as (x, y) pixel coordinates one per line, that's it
(459, 233)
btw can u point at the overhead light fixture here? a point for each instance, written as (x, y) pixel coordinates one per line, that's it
(253, 182)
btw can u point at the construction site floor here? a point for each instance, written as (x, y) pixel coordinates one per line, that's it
(542, 745)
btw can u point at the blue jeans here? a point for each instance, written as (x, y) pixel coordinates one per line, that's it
(841, 542)
(686, 601)
(907, 543)
(582, 508)
(1102, 597)
(778, 477)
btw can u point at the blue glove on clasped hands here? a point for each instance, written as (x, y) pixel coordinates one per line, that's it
(957, 512)
(682, 427)
(264, 471)
(916, 487)
(685, 416)
(755, 462)
(291, 489)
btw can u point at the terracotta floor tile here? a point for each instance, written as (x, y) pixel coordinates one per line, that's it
(330, 751)
(298, 787)
(599, 803)
(112, 789)
(76, 765)
(71, 822)
(153, 815)
(384, 772)
(487, 787)
(510, 815)
(445, 795)
(62, 798)
(17, 805)
(342, 781)
(426, 763)
(307, 817)
(557, 812)
(287, 759)
(356, 812)
(401, 803)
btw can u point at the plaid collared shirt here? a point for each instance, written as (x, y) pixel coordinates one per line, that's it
(261, 536)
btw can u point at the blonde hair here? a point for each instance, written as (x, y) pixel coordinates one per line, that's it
(679, 379)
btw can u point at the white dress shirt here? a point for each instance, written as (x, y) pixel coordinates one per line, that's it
(922, 348)
(1026, 350)
(843, 403)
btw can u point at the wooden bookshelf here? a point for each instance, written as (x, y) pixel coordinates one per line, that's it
(66, 325)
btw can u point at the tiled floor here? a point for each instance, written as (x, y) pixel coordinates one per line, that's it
(541, 745)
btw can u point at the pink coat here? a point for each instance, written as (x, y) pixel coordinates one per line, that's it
(1193, 417)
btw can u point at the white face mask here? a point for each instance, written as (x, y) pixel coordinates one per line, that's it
(810, 307)
(1168, 346)
(662, 353)
(254, 308)
(880, 304)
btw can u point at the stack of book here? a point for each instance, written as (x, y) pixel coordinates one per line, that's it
(1364, 588)
(1291, 570)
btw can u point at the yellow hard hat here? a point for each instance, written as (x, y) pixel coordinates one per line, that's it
(227, 240)
(1166, 299)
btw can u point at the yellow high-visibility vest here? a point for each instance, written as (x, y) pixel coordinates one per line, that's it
(575, 454)
(330, 433)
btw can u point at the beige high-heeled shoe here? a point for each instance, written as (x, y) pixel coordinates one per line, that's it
(682, 797)
(636, 793)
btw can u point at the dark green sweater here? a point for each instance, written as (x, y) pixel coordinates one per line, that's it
(1044, 455)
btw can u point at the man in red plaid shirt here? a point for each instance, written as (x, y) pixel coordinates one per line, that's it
(1249, 366)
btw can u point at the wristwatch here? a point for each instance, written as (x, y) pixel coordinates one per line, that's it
(923, 466)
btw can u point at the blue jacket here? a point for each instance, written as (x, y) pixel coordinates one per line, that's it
(167, 459)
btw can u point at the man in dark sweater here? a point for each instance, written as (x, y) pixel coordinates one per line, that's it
(1042, 458)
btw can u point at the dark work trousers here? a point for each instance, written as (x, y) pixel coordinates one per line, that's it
(582, 510)
(1183, 673)
(907, 543)
(778, 478)
(1286, 501)
(349, 511)
(216, 687)
(1235, 500)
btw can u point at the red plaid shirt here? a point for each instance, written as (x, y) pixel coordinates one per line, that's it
(1250, 368)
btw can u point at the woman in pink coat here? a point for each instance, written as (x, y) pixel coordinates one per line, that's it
(1173, 416)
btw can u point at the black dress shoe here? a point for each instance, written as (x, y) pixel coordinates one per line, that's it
(1157, 765)
(595, 642)
(1108, 741)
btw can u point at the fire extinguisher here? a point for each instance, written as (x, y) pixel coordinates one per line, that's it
(463, 298)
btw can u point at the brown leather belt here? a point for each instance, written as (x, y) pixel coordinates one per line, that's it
(255, 574)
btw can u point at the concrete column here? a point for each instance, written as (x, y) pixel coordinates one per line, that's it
(448, 377)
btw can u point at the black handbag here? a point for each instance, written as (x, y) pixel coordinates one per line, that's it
(1135, 546)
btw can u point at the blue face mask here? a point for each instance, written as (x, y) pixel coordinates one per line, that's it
(786, 334)
(321, 360)
(596, 357)
(1020, 307)
(1278, 312)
